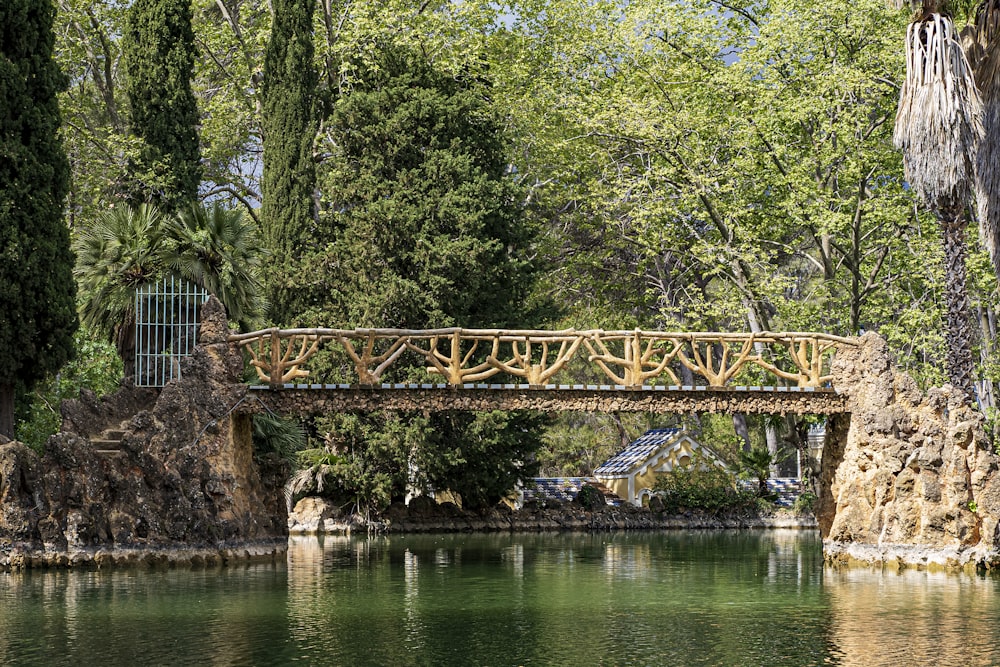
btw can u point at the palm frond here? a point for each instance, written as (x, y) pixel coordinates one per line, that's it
(217, 248)
(939, 120)
(116, 253)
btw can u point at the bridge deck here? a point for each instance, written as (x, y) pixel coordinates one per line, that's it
(303, 399)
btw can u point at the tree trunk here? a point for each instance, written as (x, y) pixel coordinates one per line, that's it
(7, 410)
(771, 437)
(961, 372)
(742, 430)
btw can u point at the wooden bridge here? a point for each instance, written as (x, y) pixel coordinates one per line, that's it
(592, 370)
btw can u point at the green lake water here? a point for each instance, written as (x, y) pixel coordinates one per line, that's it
(668, 598)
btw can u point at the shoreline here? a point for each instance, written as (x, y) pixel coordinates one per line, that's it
(886, 557)
(314, 516)
(20, 557)
(23, 557)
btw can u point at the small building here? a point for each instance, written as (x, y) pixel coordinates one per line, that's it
(631, 473)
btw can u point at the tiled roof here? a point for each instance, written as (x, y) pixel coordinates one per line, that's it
(637, 451)
(565, 489)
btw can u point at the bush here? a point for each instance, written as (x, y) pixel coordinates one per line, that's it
(805, 503)
(702, 485)
(590, 497)
(96, 367)
(283, 437)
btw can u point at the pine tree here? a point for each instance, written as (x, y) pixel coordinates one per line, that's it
(158, 54)
(37, 293)
(289, 178)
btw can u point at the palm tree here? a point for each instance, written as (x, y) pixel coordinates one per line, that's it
(982, 48)
(125, 249)
(116, 255)
(218, 249)
(939, 129)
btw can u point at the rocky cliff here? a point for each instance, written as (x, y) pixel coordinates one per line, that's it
(909, 478)
(180, 481)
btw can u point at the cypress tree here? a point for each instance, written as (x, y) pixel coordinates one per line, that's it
(37, 293)
(289, 177)
(158, 55)
(423, 227)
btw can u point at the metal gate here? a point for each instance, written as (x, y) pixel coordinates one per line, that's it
(167, 316)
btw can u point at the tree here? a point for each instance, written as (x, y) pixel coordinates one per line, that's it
(218, 248)
(421, 227)
(289, 127)
(97, 142)
(939, 129)
(116, 255)
(981, 44)
(37, 292)
(421, 224)
(158, 54)
(125, 249)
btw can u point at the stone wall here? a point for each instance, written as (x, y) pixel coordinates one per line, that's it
(908, 478)
(184, 485)
(318, 516)
(305, 401)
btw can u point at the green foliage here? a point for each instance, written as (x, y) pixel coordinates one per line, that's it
(363, 461)
(756, 464)
(700, 485)
(116, 255)
(805, 503)
(289, 127)
(480, 456)
(232, 39)
(272, 434)
(95, 367)
(158, 54)
(590, 497)
(37, 293)
(125, 248)
(219, 249)
(421, 224)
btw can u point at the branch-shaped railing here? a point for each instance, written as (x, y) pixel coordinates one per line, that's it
(628, 358)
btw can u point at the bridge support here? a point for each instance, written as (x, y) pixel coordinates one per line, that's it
(909, 478)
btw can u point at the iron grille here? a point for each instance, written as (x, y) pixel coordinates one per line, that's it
(166, 328)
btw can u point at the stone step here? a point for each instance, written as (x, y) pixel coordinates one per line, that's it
(106, 444)
(114, 434)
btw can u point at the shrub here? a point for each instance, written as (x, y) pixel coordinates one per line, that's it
(701, 485)
(805, 503)
(590, 497)
(96, 367)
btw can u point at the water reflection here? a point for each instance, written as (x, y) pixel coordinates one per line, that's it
(912, 617)
(680, 598)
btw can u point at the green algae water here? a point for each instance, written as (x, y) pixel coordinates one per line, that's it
(672, 598)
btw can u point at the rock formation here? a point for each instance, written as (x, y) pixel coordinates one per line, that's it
(182, 483)
(909, 478)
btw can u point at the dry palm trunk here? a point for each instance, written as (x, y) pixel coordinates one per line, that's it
(939, 130)
(982, 48)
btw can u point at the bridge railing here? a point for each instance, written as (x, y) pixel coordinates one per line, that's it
(628, 358)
